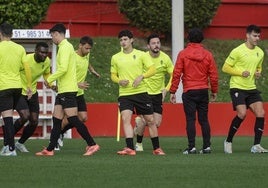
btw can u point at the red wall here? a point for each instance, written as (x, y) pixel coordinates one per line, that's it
(102, 120)
(102, 18)
(87, 17)
(234, 15)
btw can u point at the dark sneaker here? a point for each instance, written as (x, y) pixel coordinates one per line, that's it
(189, 151)
(205, 151)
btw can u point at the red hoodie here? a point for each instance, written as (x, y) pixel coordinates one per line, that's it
(197, 68)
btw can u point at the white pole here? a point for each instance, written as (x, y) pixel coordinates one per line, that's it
(177, 36)
(53, 57)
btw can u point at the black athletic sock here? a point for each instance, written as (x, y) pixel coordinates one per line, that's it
(258, 129)
(17, 126)
(27, 133)
(155, 142)
(82, 130)
(4, 133)
(55, 134)
(129, 142)
(9, 132)
(66, 128)
(233, 128)
(139, 138)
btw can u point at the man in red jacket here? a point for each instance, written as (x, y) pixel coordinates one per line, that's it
(196, 67)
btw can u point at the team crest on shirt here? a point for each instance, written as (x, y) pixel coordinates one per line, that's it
(134, 56)
(236, 94)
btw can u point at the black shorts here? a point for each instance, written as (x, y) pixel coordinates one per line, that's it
(157, 103)
(81, 103)
(32, 104)
(9, 98)
(141, 103)
(245, 97)
(66, 100)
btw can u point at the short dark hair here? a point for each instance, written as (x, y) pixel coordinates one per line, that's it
(153, 35)
(125, 33)
(195, 35)
(59, 27)
(41, 44)
(86, 40)
(252, 27)
(6, 29)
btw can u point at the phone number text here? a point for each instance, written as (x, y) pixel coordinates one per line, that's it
(31, 34)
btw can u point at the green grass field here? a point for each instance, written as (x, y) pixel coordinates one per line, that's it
(68, 168)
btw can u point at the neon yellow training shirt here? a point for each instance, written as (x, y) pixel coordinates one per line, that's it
(81, 70)
(163, 64)
(11, 56)
(241, 59)
(37, 70)
(129, 67)
(65, 73)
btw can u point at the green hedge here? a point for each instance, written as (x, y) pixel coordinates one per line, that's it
(23, 14)
(155, 16)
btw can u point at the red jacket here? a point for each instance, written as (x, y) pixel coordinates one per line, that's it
(197, 68)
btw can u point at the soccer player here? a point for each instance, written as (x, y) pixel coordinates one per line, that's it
(155, 85)
(196, 67)
(244, 64)
(28, 108)
(65, 103)
(11, 62)
(82, 67)
(127, 70)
